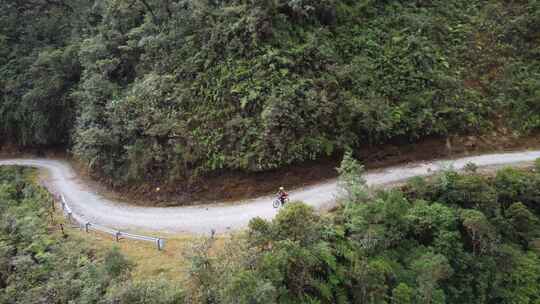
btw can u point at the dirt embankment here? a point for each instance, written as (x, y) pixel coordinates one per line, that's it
(233, 186)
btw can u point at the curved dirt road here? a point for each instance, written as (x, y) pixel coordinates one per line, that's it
(223, 217)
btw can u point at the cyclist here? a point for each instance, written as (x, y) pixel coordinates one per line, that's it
(282, 195)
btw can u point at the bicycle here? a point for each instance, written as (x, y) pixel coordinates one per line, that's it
(278, 202)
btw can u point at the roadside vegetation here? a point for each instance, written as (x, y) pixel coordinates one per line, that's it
(455, 238)
(451, 238)
(146, 90)
(178, 90)
(39, 264)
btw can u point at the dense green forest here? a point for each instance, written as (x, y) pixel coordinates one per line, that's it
(454, 238)
(40, 265)
(175, 89)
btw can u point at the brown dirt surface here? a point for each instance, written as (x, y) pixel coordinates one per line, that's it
(234, 186)
(231, 186)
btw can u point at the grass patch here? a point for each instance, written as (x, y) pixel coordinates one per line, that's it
(169, 263)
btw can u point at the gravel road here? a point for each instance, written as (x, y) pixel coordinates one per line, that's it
(86, 203)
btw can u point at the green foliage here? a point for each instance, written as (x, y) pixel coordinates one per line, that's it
(523, 222)
(147, 292)
(402, 294)
(38, 70)
(433, 243)
(431, 268)
(174, 90)
(298, 223)
(428, 221)
(116, 264)
(38, 265)
(444, 240)
(479, 230)
(351, 180)
(516, 186)
(520, 273)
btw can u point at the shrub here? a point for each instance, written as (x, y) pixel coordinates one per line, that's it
(116, 264)
(147, 292)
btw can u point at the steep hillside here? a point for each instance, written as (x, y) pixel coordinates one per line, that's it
(173, 90)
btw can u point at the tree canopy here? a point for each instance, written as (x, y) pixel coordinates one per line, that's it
(146, 89)
(416, 244)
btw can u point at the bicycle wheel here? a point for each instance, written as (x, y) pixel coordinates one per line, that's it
(276, 203)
